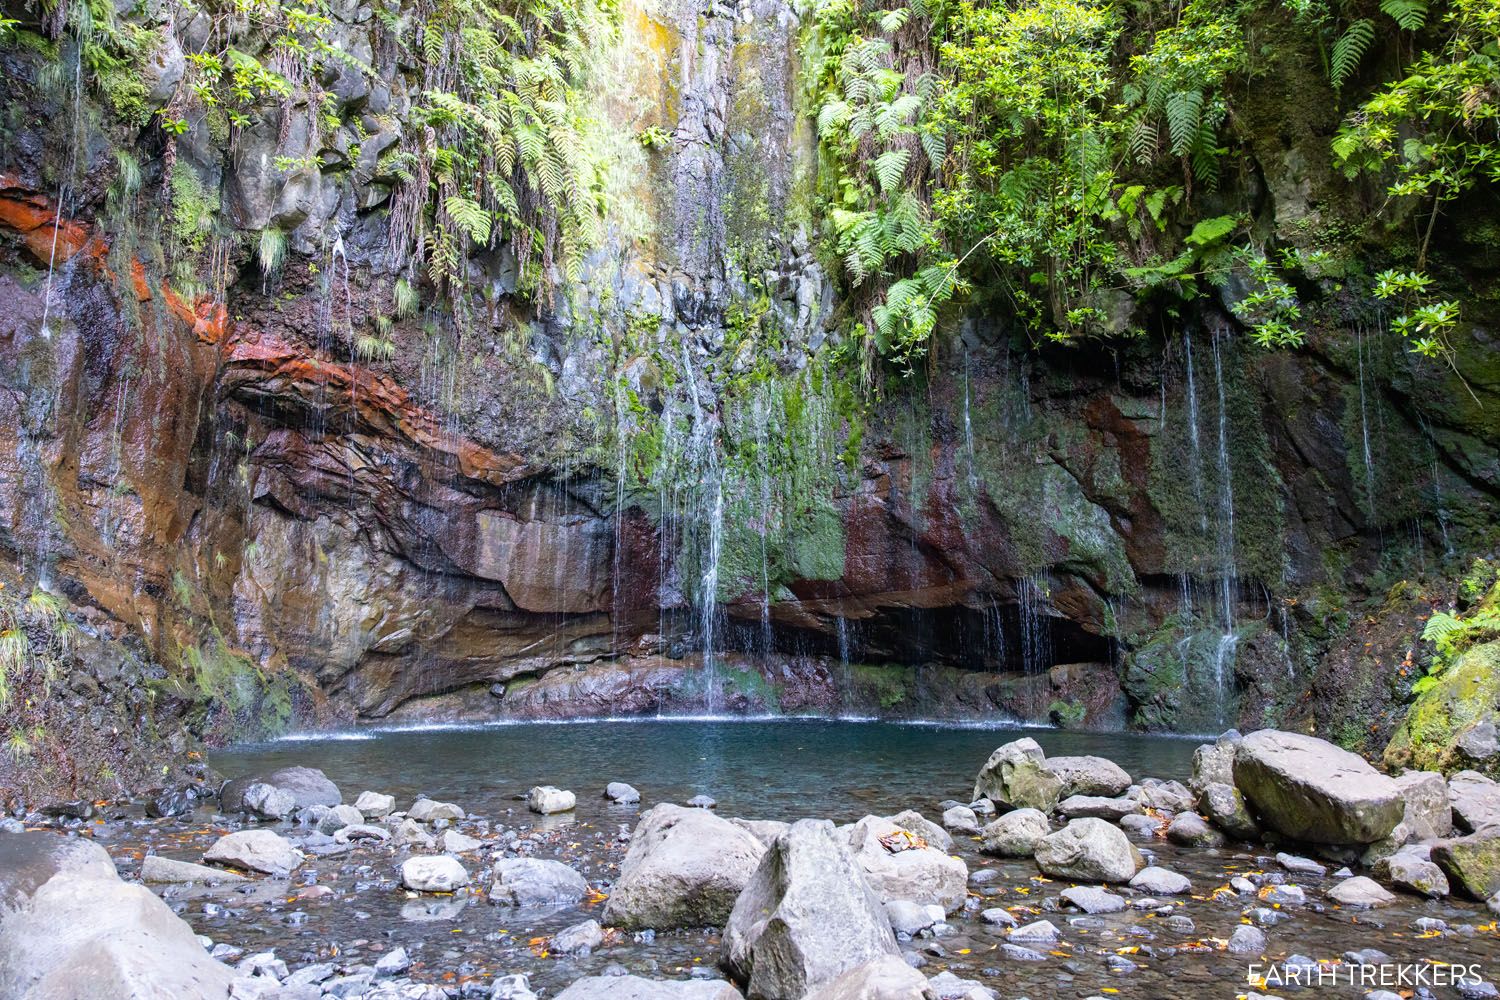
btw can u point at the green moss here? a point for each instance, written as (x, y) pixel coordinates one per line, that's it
(194, 210)
(1466, 694)
(884, 684)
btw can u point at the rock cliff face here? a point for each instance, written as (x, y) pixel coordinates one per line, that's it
(642, 485)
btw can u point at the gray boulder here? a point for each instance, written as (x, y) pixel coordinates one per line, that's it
(936, 836)
(1015, 834)
(764, 830)
(685, 868)
(638, 988)
(536, 882)
(308, 787)
(1092, 899)
(1114, 810)
(426, 811)
(1016, 777)
(960, 819)
(1311, 790)
(1225, 807)
(883, 978)
(1089, 850)
(1160, 882)
(806, 917)
(157, 870)
(1213, 763)
(1167, 796)
(338, 817)
(1191, 830)
(622, 794)
(1475, 800)
(1429, 814)
(1472, 862)
(374, 805)
(1414, 872)
(546, 799)
(897, 868)
(578, 939)
(268, 801)
(434, 873)
(1360, 893)
(255, 850)
(1088, 776)
(70, 929)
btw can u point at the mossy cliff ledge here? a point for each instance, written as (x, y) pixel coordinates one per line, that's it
(378, 361)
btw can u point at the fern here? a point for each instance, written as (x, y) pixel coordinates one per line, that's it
(1349, 50)
(890, 167)
(1443, 626)
(1184, 118)
(470, 217)
(271, 250)
(1411, 15)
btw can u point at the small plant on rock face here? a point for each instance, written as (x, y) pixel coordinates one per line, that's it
(271, 250)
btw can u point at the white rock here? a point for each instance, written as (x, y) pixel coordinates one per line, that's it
(437, 873)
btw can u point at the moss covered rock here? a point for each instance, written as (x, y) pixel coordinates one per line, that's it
(1465, 697)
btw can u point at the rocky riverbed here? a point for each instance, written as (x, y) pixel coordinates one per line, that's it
(1061, 875)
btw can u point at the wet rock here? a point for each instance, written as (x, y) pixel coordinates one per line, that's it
(1311, 790)
(512, 987)
(1361, 893)
(936, 836)
(764, 830)
(164, 871)
(453, 842)
(1415, 873)
(338, 817)
(579, 939)
(308, 787)
(1429, 814)
(1475, 800)
(268, 801)
(1213, 763)
(1079, 806)
(1300, 865)
(536, 882)
(806, 916)
(1472, 863)
(1160, 882)
(1191, 830)
(1225, 807)
(1091, 776)
(897, 869)
(1283, 895)
(1038, 932)
(960, 819)
(1015, 834)
(1015, 777)
(70, 928)
(1247, 940)
(685, 868)
(374, 805)
(997, 916)
(702, 802)
(1091, 899)
(428, 811)
(1165, 796)
(361, 831)
(911, 918)
(1089, 850)
(883, 978)
(1142, 827)
(1020, 953)
(636, 988)
(255, 850)
(438, 873)
(408, 833)
(167, 802)
(393, 963)
(620, 793)
(947, 986)
(547, 800)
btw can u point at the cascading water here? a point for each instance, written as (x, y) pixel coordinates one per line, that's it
(1228, 572)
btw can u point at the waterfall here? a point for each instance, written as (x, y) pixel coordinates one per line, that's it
(1227, 571)
(704, 456)
(1036, 624)
(1364, 429)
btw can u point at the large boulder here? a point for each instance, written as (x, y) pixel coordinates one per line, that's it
(535, 882)
(1016, 833)
(1213, 763)
(1016, 777)
(685, 868)
(1311, 790)
(1088, 775)
(637, 988)
(899, 865)
(1472, 863)
(308, 786)
(1475, 800)
(548, 799)
(71, 929)
(806, 917)
(936, 836)
(883, 978)
(1429, 814)
(1089, 850)
(1225, 806)
(262, 851)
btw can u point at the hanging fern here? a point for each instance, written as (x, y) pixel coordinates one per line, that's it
(1411, 15)
(470, 217)
(890, 167)
(1184, 119)
(1349, 50)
